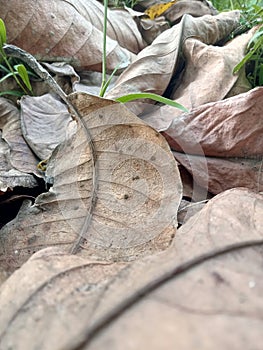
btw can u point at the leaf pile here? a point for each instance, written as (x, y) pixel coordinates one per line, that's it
(91, 191)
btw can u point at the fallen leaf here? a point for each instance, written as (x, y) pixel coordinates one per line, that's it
(227, 128)
(216, 175)
(63, 31)
(156, 64)
(195, 8)
(46, 122)
(196, 86)
(210, 276)
(17, 162)
(115, 190)
(60, 287)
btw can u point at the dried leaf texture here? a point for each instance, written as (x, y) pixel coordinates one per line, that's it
(154, 66)
(56, 282)
(120, 24)
(58, 31)
(195, 8)
(46, 122)
(227, 128)
(191, 293)
(208, 76)
(17, 162)
(113, 198)
(216, 175)
(222, 142)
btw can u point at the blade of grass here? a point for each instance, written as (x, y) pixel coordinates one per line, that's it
(104, 50)
(143, 95)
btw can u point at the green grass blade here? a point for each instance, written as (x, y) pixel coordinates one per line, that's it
(4, 69)
(21, 69)
(12, 92)
(140, 95)
(8, 75)
(2, 34)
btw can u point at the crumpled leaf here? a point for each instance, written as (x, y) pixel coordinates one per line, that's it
(210, 275)
(196, 86)
(62, 31)
(227, 128)
(113, 198)
(46, 122)
(17, 162)
(219, 174)
(222, 142)
(151, 29)
(74, 283)
(155, 65)
(195, 8)
(120, 26)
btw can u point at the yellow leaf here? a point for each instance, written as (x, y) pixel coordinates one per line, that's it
(158, 9)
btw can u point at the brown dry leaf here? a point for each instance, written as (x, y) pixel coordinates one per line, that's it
(208, 282)
(195, 8)
(113, 198)
(227, 128)
(120, 26)
(196, 86)
(17, 162)
(60, 288)
(150, 29)
(62, 30)
(155, 65)
(219, 174)
(222, 142)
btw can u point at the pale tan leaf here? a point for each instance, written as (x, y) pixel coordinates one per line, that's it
(205, 289)
(120, 24)
(59, 288)
(115, 190)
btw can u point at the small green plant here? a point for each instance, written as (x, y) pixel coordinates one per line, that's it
(17, 71)
(254, 59)
(121, 3)
(129, 97)
(251, 16)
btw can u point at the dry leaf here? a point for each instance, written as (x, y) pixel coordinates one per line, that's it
(60, 288)
(227, 128)
(151, 29)
(46, 122)
(64, 31)
(156, 64)
(17, 162)
(195, 8)
(219, 174)
(196, 86)
(113, 198)
(210, 276)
